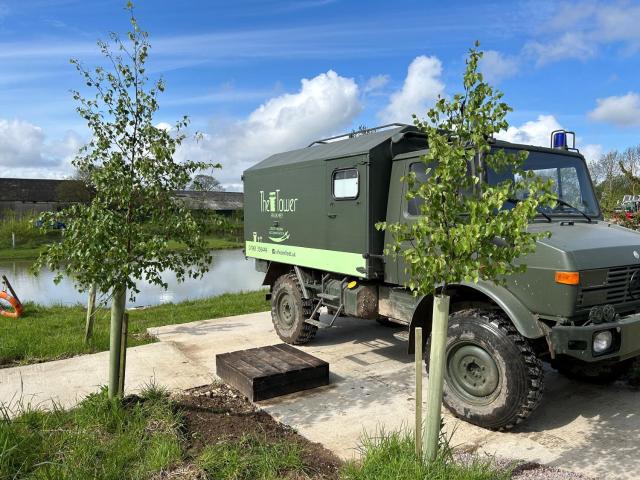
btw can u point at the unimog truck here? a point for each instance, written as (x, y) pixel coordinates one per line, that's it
(310, 225)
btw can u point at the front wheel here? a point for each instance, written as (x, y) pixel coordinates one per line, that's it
(493, 378)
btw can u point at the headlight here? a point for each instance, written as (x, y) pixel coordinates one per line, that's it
(602, 341)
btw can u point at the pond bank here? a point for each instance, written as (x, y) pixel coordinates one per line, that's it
(31, 252)
(56, 332)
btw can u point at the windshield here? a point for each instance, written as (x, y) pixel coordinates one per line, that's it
(569, 177)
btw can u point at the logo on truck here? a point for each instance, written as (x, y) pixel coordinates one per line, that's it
(276, 204)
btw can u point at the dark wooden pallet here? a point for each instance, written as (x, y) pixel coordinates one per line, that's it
(267, 372)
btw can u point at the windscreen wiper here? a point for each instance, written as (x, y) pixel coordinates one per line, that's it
(566, 204)
(517, 200)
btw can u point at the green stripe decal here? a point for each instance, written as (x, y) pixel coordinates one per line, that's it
(328, 260)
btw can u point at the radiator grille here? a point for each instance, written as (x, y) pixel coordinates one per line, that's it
(618, 289)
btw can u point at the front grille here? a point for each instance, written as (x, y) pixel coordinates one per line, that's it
(616, 290)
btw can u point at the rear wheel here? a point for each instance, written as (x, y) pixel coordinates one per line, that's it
(492, 376)
(289, 310)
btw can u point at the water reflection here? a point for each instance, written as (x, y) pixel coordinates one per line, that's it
(229, 272)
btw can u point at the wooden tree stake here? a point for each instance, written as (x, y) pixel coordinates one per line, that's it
(91, 312)
(436, 373)
(418, 363)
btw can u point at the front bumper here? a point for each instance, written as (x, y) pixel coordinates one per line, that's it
(577, 342)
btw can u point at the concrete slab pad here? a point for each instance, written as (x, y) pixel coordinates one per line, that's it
(66, 382)
(590, 429)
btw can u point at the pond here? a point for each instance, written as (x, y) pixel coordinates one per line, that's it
(229, 272)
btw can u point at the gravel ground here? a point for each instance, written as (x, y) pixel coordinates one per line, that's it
(534, 471)
(529, 470)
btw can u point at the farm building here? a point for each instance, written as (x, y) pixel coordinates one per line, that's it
(32, 196)
(223, 203)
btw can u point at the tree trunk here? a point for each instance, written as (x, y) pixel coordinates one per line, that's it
(115, 340)
(436, 373)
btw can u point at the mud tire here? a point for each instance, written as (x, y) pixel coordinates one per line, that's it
(516, 379)
(289, 310)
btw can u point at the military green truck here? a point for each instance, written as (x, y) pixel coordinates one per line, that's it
(310, 225)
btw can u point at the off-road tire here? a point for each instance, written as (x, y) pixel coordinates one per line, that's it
(289, 310)
(598, 373)
(484, 338)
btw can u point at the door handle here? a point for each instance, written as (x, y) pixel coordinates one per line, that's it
(332, 215)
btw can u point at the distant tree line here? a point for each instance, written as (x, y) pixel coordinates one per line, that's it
(616, 174)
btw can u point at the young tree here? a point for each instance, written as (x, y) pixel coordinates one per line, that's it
(121, 237)
(464, 232)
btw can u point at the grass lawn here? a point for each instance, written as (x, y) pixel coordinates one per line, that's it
(220, 436)
(21, 253)
(49, 333)
(31, 252)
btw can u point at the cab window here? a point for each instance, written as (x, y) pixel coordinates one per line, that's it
(413, 205)
(345, 184)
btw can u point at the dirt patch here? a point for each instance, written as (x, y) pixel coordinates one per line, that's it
(216, 414)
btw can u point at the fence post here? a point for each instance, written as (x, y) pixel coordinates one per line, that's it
(418, 364)
(436, 373)
(123, 353)
(91, 312)
(13, 240)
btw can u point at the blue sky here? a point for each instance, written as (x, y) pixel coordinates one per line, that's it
(262, 76)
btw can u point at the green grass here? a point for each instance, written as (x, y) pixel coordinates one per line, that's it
(250, 458)
(49, 333)
(21, 253)
(100, 439)
(214, 243)
(140, 437)
(31, 251)
(391, 456)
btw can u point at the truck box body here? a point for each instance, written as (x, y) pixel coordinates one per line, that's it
(317, 207)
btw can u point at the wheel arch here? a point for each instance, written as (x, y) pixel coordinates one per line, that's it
(274, 271)
(473, 295)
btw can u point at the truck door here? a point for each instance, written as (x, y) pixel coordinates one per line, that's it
(347, 200)
(409, 209)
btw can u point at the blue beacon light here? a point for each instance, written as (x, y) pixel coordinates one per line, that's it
(559, 139)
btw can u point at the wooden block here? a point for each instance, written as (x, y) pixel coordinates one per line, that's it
(267, 372)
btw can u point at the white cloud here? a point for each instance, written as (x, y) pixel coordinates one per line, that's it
(579, 30)
(496, 67)
(163, 126)
(324, 105)
(375, 83)
(534, 132)
(538, 132)
(420, 90)
(22, 144)
(575, 45)
(25, 150)
(592, 152)
(623, 110)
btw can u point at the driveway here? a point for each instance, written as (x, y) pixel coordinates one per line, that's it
(589, 429)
